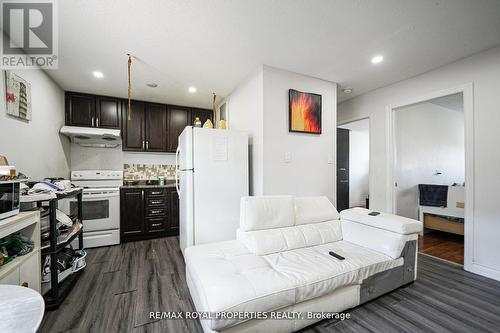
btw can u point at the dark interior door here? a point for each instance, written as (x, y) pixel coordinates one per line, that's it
(342, 169)
(133, 129)
(156, 127)
(178, 119)
(108, 111)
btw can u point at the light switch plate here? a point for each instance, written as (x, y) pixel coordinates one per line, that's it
(287, 158)
(330, 159)
(460, 204)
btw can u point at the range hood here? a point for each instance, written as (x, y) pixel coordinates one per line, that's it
(93, 137)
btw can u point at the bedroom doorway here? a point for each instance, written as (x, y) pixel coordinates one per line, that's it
(353, 164)
(429, 172)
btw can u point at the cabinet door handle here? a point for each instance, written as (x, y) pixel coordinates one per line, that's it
(93, 121)
(155, 192)
(97, 122)
(143, 144)
(147, 145)
(156, 224)
(155, 202)
(155, 211)
(142, 194)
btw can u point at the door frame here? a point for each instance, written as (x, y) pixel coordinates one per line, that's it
(370, 145)
(468, 104)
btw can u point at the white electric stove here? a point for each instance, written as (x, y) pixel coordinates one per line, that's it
(101, 205)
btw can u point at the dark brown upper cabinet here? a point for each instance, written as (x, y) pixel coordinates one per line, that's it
(156, 127)
(80, 109)
(92, 111)
(133, 129)
(203, 114)
(108, 111)
(147, 128)
(178, 119)
(153, 127)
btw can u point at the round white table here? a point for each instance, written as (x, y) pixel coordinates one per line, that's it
(21, 309)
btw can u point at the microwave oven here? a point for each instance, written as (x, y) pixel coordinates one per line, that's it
(9, 198)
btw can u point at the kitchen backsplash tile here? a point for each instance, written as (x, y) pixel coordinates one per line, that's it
(148, 171)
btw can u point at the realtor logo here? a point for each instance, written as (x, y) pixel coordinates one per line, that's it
(29, 34)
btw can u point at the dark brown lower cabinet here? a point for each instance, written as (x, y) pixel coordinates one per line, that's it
(148, 213)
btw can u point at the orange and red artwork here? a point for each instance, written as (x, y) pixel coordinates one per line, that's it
(304, 112)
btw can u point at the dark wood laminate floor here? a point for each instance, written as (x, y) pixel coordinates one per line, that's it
(121, 284)
(442, 245)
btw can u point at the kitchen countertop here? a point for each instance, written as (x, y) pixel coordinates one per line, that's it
(168, 184)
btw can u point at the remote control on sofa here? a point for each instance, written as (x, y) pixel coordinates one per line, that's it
(333, 254)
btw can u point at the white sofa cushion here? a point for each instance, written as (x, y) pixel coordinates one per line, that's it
(394, 223)
(376, 239)
(262, 242)
(227, 277)
(314, 210)
(317, 273)
(266, 212)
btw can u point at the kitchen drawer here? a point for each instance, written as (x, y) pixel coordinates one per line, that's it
(155, 191)
(156, 224)
(156, 211)
(156, 201)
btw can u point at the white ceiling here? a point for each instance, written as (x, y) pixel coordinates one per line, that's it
(214, 44)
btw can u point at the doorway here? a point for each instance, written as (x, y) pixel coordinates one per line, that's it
(353, 164)
(429, 172)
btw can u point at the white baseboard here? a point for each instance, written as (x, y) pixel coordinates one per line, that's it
(483, 270)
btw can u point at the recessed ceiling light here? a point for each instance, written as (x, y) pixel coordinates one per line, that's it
(377, 59)
(347, 90)
(192, 90)
(98, 74)
(152, 85)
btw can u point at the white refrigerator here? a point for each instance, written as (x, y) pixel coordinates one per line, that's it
(211, 177)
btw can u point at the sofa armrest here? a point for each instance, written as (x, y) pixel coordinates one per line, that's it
(397, 224)
(376, 239)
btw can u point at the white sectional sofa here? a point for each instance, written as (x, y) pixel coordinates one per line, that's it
(280, 263)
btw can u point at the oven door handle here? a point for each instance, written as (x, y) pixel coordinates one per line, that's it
(99, 196)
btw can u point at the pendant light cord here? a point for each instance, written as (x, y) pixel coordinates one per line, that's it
(129, 113)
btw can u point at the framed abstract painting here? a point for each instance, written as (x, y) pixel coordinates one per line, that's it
(304, 112)
(18, 93)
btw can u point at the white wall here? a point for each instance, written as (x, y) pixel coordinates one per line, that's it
(245, 111)
(359, 161)
(85, 158)
(309, 171)
(483, 70)
(260, 106)
(428, 138)
(35, 147)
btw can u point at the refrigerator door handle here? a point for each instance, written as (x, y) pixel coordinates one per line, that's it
(177, 170)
